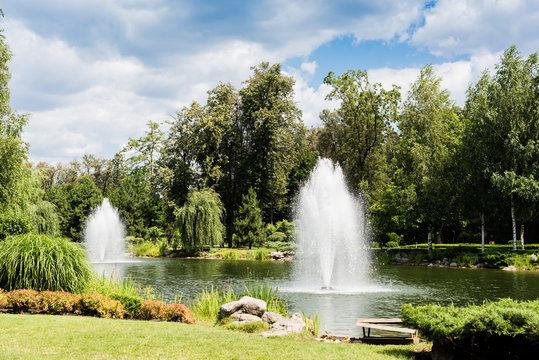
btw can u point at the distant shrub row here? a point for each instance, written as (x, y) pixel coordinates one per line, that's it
(91, 304)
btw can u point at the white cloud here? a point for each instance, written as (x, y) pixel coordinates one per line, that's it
(309, 67)
(470, 27)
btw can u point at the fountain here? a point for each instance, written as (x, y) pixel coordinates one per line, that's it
(331, 234)
(104, 234)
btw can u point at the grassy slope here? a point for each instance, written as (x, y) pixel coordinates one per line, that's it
(61, 337)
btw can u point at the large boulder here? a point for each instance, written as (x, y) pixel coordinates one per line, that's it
(241, 318)
(281, 325)
(245, 305)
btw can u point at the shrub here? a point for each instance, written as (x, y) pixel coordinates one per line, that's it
(147, 248)
(3, 299)
(286, 227)
(151, 310)
(131, 304)
(392, 244)
(177, 312)
(93, 304)
(13, 223)
(57, 302)
(44, 219)
(41, 262)
(25, 300)
(277, 237)
(154, 234)
(500, 329)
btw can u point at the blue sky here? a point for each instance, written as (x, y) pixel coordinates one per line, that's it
(92, 73)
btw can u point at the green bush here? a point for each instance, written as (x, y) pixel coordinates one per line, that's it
(392, 244)
(154, 234)
(500, 329)
(12, 223)
(277, 237)
(93, 304)
(131, 304)
(495, 260)
(147, 248)
(41, 262)
(44, 218)
(230, 255)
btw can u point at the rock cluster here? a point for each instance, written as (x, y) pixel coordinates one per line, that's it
(248, 309)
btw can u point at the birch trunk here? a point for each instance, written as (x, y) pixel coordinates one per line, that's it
(522, 237)
(514, 223)
(482, 232)
(429, 239)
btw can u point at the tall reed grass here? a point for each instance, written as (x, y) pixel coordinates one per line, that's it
(42, 262)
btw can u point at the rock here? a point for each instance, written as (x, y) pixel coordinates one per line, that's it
(437, 262)
(480, 265)
(274, 333)
(246, 305)
(473, 266)
(453, 264)
(277, 255)
(271, 317)
(510, 268)
(242, 318)
(295, 324)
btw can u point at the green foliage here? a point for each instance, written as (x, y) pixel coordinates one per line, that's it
(74, 203)
(277, 236)
(392, 244)
(261, 254)
(207, 304)
(148, 248)
(312, 325)
(41, 262)
(14, 223)
(44, 218)
(230, 255)
(199, 220)
(154, 234)
(248, 223)
(503, 325)
(264, 291)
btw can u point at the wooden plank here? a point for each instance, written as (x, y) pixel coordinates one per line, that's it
(386, 328)
(380, 320)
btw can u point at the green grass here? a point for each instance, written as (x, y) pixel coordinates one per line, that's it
(62, 337)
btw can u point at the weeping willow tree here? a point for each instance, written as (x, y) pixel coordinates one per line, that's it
(199, 220)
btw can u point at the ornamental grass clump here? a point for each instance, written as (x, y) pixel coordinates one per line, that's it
(42, 262)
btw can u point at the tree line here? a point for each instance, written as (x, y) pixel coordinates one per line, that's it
(427, 169)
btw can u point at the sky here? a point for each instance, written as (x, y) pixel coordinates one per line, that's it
(91, 74)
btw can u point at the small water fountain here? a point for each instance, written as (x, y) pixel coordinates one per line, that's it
(333, 253)
(104, 235)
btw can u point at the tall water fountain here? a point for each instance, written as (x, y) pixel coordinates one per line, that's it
(333, 253)
(104, 234)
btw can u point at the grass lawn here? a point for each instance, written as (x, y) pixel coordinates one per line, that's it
(77, 337)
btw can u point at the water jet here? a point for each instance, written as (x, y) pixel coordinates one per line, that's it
(333, 253)
(104, 234)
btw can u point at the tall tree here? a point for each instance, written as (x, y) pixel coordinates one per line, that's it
(360, 125)
(270, 120)
(506, 130)
(249, 225)
(430, 134)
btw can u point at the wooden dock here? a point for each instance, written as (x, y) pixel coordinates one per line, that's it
(382, 324)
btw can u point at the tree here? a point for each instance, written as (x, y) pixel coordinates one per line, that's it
(248, 224)
(199, 220)
(74, 203)
(13, 150)
(146, 150)
(270, 121)
(361, 125)
(506, 129)
(430, 130)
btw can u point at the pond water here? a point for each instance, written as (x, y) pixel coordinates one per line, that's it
(389, 288)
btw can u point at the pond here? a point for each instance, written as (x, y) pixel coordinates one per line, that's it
(391, 286)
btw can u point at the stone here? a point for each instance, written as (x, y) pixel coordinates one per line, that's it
(277, 255)
(480, 265)
(246, 305)
(510, 268)
(294, 324)
(453, 264)
(242, 318)
(437, 262)
(271, 317)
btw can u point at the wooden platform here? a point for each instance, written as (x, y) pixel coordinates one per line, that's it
(377, 324)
